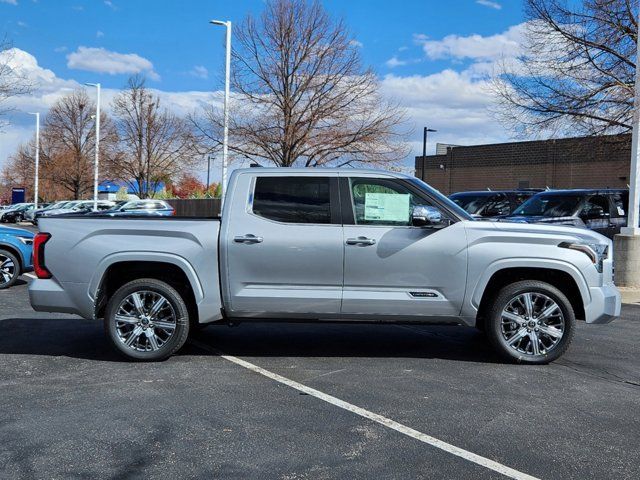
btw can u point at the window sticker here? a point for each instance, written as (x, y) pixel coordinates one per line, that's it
(387, 207)
(621, 211)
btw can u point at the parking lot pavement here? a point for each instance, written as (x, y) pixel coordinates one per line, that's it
(73, 408)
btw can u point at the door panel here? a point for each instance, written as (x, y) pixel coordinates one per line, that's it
(399, 270)
(278, 265)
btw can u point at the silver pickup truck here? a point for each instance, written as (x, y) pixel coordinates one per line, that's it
(326, 245)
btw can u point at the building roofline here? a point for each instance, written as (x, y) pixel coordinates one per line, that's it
(520, 142)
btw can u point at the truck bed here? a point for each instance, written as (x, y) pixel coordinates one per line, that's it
(83, 248)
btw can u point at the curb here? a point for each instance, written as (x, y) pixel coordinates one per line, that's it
(630, 294)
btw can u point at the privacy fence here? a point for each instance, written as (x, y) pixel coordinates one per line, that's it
(202, 207)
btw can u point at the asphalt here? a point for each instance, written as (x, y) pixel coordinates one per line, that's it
(72, 408)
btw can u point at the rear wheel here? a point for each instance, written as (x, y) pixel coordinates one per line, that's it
(147, 319)
(530, 322)
(9, 269)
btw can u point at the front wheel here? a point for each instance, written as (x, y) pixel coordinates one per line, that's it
(530, 322)
(147, 320)
(9, 269)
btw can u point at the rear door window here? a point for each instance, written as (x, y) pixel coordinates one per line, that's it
(620, 204)
(293, 199)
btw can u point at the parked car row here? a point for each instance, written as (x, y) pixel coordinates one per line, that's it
(21, 212)
(15, 213)
(601, 210)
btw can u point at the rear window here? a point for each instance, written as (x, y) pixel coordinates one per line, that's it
(293, 199)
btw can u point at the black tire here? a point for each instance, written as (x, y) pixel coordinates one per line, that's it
(493, 323)
(180, 310)
(17, 270)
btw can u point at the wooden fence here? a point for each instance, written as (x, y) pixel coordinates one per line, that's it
(205, 207)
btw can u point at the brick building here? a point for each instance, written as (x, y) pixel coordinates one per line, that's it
(582, 162)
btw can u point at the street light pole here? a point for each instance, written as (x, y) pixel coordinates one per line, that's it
(424, 150)
(208, 170)
(225, 138)
(35, 188)
(97, 160)
(634, 183)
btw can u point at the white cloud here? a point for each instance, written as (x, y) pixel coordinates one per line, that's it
(199, 72)
(101, 60)
(394, 62)
(10, 2)
(110, 4)
(475, 47)
(456, 103)
(356, 43)
(49, 88)
(22, 24)
(60, 49)
(99, 34)
(490, 4)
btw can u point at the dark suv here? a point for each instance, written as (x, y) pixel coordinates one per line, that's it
(604, 211)
(486, 203)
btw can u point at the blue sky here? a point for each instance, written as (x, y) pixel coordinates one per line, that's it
(430, 55)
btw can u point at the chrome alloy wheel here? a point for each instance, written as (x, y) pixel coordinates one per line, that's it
(7, 269)
(532, 323)
(145, 321)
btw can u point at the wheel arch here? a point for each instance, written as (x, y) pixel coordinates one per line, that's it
(118, 272)
(562, 279)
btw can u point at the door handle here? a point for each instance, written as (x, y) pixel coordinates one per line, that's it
(248, 238)
(361, 241)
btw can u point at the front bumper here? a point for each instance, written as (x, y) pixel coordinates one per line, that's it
(605, 305)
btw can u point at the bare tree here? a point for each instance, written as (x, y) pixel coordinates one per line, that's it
(577, 71)
(301, 95)
(19, 169)
(12, 82)
(68, 143)
(155, 144)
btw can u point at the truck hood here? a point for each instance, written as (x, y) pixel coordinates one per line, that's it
(550, 230)
(16, 231)
(575, 221)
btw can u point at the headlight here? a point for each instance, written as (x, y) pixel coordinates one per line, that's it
(26, 240)
(596, 252)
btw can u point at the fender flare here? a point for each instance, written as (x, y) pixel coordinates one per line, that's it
(545, 263)
(137, 256)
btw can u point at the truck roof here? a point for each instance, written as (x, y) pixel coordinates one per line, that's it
(322, 171)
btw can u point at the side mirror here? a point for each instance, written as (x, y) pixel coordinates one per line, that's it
(595, 213)
(426, 216)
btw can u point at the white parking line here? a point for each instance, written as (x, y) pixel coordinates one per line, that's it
(387, 422)
(30, 275)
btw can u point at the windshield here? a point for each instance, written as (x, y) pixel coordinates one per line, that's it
(423, 186)
(549, 206)
(54, 205)
(471, 203)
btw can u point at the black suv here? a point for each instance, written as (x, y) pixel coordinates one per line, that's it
(604, 211)
(487, 203)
